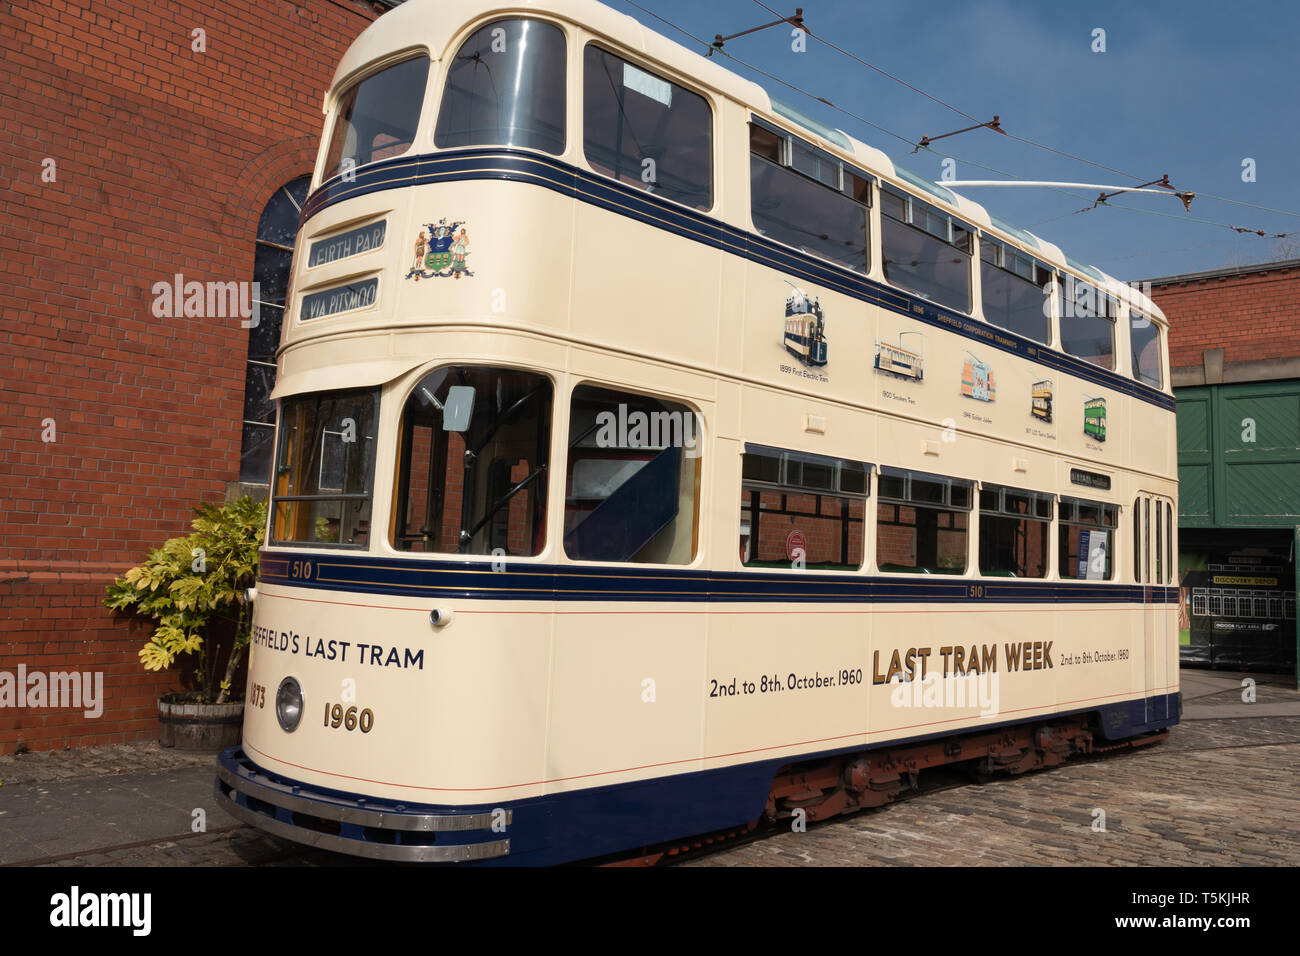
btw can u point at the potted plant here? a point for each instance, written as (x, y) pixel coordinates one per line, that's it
(194, 590)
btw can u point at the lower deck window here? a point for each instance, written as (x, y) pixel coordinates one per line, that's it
(922, 523)
(801, 511)
(1014, 532)
(1087, 539)
(632, 484)
(473, 448)
(325, 469)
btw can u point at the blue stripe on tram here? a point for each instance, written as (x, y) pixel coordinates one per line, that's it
(475, 580)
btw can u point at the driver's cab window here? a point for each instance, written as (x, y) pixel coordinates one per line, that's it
(472, 466)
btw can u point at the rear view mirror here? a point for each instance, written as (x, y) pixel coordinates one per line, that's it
(458, 409)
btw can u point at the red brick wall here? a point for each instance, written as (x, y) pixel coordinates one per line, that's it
(164, 158)
(53, 622)
(1251, 316)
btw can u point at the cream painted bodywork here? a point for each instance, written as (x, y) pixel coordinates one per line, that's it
(517, 699)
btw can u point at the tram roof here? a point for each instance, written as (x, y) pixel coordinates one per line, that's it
(427, 24)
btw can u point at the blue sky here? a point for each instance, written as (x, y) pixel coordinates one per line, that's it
(1190, 89)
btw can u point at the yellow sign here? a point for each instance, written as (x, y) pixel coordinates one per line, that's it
(1254, 582)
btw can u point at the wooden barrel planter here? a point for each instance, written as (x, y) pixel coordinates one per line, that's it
(187, 724)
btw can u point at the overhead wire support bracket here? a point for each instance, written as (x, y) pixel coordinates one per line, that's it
(994, 124)
(796, 21)
(1162, 182)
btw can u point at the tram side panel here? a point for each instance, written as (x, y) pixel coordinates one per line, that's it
(651, 290)
(452, 716)
(625, 702)
(510, 247)
(787, 647)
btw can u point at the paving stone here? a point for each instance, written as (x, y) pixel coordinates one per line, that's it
(86, 763)
(1182, 802)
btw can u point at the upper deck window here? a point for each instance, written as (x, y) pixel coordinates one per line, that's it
(807, 198)
(377, 118)
(926, 251)
(1087, 322)
(646, 131)
(1144, 342)
(1012, 289)
(505, 87)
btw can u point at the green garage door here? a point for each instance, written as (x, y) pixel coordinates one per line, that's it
(1239, 455)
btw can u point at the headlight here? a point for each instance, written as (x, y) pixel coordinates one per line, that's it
(288, 704)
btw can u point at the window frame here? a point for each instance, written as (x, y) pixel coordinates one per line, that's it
(561, 434)
(401, 473)
(948, 483)
(1067, 504)
(1036, 498)
(331, 122)
(1066, 282)
(789, 140)
(248, 424)
(1135, 315)
(783, 485)
(659, 72)
(845, 174)
(912, 204)
(439, 93)
(1146, 537)
(1000, 249)
(1170, 554)
(1137, 540)
(375, 393)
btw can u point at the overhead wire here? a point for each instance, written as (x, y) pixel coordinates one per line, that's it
(821, 99)
(1037, 145)
(903, 139)
(944, 103)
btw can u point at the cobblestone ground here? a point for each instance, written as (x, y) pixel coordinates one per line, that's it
(64, 766)
(238, 846)
(1219, 791)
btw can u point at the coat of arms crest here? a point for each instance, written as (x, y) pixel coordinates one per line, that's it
(440, 251)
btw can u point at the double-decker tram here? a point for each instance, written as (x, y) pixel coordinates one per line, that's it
(568, 555)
